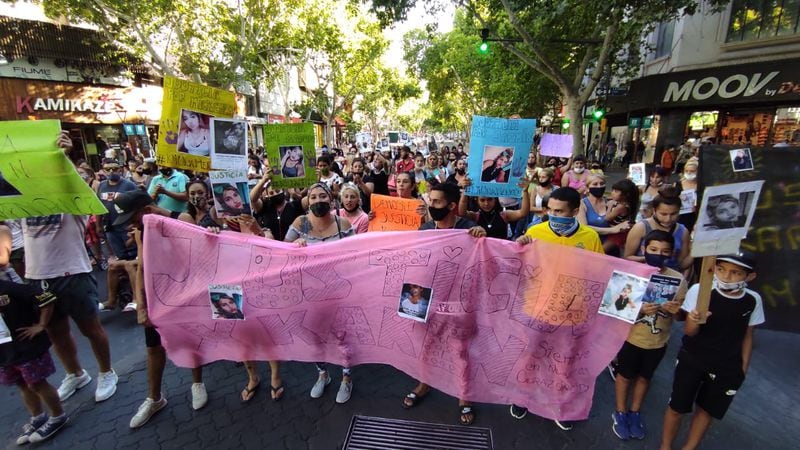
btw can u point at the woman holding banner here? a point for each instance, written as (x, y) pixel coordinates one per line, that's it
(350, 199)
(316, 228)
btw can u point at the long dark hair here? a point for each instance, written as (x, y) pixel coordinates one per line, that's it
(630, 193)
(190, 208)
(411, 176)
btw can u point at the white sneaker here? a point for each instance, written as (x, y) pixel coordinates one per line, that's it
(146, 411)
(129, 307)
(199, 396)
(72, 383)
(345, 390)
(319, 387)
(106, 385)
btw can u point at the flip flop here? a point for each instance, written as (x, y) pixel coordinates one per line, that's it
(466, 410)
(412, 399)
(274, 392)
(248, 393)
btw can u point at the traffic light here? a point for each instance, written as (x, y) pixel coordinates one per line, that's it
(484, 47)
(565, 124)
(598, 114)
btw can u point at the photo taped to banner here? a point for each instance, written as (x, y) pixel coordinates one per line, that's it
(226, 301)
(194, 135)
(415, 302)
(292, 161)
(497, 162)
(623, 296)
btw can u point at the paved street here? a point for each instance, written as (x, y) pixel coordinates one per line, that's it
(764, 415)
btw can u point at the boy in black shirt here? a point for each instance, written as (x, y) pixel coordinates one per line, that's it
(25, 357)
(715, 355)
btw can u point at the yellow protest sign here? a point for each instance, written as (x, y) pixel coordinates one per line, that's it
(36, 178)
(184, 136)
(394, 213)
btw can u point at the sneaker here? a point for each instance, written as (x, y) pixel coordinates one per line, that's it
(319, 387)
(72, 383)
(49, 429)
(199, 396)
(131, 306)
(106, 385)
(612, 370)
(518, 412)
(620, 425)
(29, 428)
(146, 411)
(564, 425)
(635, 425)
(105, 306)
(345, 390)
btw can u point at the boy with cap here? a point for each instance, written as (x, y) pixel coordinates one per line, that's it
(25, 311)
(714, 357)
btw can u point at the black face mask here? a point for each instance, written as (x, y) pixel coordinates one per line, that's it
(597, 191)
(461, 171)
(544, 183)
(320, 209)
(532, 165)
(166, 172)
(147, 171)
(438, 213)
(277, 199)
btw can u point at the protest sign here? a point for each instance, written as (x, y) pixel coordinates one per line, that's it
(622, 298)
(774, 234)
(498, 155)
(637, 174)
(184, 136)
(231, 192)
(724, 217)
(291, 154)
(394, 213)
(36, 178)
(688, 201)
(228, 144)
(504, 325)
(661, 289)
(559, 145)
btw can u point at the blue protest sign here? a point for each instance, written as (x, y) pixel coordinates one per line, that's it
(498, 154)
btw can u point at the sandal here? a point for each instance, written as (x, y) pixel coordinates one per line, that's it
(466, 410)
(248, 393)
(412, 399)
(276, 392)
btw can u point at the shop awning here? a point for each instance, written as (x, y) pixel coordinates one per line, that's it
(340, 122)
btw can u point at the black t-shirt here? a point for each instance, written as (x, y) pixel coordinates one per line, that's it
(494, 224)
(381, 182)
(717, 347)
(19, 306)
(461, 224)
(278, 224)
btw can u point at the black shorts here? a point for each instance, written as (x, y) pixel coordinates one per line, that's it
(713, 392)
(633, 361)
(151, 337)
(76, 295)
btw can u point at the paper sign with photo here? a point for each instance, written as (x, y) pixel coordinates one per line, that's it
(231, 192)
(292, 154)
(724, 217)
(636, 173)
(415, 302)
(623, 296)
(227, 301)
(228, 144)
(661, 289)
(688, 201)
(741, 159)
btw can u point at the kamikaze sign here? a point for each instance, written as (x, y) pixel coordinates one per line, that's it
(103, 104)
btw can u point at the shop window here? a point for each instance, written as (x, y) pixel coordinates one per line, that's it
(787, 126)
(745, 128)
(752, 20)
(664, 35)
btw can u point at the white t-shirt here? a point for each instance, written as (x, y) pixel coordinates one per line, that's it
(54, 246)
(16, 234)
(415, 309)
(756, 318)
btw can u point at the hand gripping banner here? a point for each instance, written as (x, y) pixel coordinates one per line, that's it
(480, 319)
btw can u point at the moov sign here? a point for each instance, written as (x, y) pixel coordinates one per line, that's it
(776, 81)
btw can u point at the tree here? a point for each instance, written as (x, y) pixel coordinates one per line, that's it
(574, 43)
(383, 97)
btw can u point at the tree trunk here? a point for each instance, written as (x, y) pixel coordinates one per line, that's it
(574, 112)
(329, 131)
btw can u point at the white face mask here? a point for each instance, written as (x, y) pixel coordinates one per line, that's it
(579, 169)
(690, 176)
(728, 287)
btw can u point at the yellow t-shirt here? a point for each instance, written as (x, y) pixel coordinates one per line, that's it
(652, 332)
(585, 237)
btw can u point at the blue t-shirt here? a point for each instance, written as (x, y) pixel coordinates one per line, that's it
(175, 183)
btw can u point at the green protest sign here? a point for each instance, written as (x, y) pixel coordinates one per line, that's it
(36, 178)
(291, 154)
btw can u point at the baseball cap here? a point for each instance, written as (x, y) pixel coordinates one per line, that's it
(128, 203)
(744, 259)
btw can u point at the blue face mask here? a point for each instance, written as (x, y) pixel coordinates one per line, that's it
(114, 177)
(655, 259)
(563, 226)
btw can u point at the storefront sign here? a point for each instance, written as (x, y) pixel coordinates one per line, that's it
(634, 122)
(102, 105)
(45, 69)
(647, 122)
(759, 82)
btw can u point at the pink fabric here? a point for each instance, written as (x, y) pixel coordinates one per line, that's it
(509, 323)
(360, 223)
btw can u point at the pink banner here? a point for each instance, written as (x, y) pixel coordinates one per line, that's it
(559, 145)
(480, 319)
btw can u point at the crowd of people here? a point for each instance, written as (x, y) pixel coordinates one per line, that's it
(565, 201)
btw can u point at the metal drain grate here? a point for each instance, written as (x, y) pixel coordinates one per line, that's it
(378, 433)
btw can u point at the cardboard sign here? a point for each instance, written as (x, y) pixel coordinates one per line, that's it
(228, 144)
(184, 136)
(394, 213)
(498, 155)
(231, 192)
(36, 178)
(291, 154)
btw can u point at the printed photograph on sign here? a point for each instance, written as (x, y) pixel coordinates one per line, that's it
(688, 201)
(194, 135)
(229, 144)
(231, 192)
(636, 173)
(727, 211)
(724, 217)
(292, 164)
(226, 301)
(741, 159)
(661, 289)
(6, 188)
(622, 298)
(497, 164)
(415, 302)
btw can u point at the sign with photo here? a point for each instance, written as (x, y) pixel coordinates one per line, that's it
(228, 144)
(415, 302)
(637, 174)
(226, 301)
(291, 153)
(622, 298)
(231, 192)
(724, 217)
(661, 289)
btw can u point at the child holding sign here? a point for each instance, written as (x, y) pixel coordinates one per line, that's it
(646, 343)
(716, 354)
